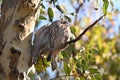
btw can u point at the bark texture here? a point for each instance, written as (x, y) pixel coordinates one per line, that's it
(17, 22)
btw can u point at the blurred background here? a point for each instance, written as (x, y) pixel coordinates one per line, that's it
(99, 49)
(97, 55)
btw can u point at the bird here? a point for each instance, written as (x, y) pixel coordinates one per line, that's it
(49, 40)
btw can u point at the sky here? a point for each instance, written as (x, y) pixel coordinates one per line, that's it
(86, 12)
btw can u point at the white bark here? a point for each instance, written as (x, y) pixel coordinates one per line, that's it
(17, 23)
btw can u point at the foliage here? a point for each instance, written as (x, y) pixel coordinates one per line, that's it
(95, 56)
(51, 14)
(105, 6)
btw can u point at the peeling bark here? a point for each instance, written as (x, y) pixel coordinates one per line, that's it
(16, 25)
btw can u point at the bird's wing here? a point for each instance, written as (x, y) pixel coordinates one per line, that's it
(41, 40)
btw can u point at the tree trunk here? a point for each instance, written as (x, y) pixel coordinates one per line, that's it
(17, 22)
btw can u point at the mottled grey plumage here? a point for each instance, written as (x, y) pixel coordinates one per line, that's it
(50, 38)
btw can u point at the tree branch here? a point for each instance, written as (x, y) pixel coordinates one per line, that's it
(79, 37)
(77, 10)
(59, 77)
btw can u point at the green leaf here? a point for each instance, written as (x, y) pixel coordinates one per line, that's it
(72, 14)
(41, 17)
(80, 68)
(60, 56)
(50, 14)
(105, 6)
(89, 56)
(31, 74)
(52, 1)
(94, 51)
(42, 5)
(93, 78)
(41, 64)
(92, 70)
(98, 77)
(60, 8)
(67, 69)
(66, 17)
(37, 21)
(83, 62)
(73, 29)
(65, 54)
(42, 11)
(111, 2)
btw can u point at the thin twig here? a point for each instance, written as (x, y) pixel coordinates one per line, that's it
(61, 77)
(77, 10)
(66, 76)
(89, 27)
